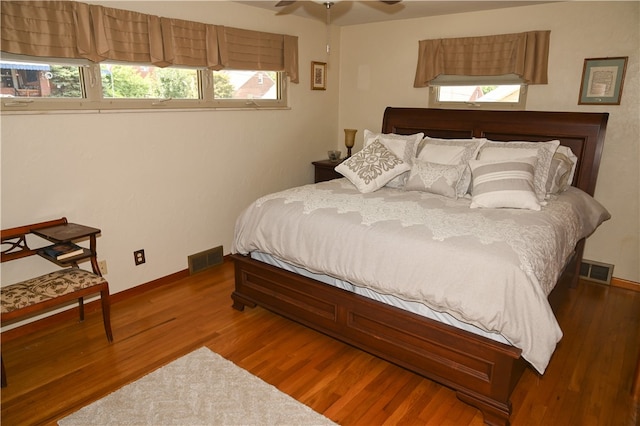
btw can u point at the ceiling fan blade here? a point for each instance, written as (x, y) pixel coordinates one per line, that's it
(285, 3)
(390, 1)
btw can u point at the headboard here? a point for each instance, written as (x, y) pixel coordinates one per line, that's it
(583, 132)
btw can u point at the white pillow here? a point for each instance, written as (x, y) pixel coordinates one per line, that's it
(435, 178)
(561, 171)
(452, 152)
(372, 168)
(543, 151)
(566, 151)
(403, 146)
(504, 184)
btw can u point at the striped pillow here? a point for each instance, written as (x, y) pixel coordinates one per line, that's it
(504, 184)
(543, 151)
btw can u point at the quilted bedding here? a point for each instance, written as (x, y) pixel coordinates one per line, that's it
(492, 268)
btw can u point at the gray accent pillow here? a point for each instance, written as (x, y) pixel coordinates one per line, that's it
(452, 152)
(441, 179)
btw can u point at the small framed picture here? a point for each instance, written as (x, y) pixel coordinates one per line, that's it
(318, 76)
(602, 80)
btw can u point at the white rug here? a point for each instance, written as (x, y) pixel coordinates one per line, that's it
(201, 388)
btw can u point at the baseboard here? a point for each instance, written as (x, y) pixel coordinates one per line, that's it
(92, 306)
(626, 284)
(143, 288)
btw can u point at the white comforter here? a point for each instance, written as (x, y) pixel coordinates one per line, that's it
(492, 268)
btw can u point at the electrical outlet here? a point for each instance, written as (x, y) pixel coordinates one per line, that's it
(103, 267)
(138, 257)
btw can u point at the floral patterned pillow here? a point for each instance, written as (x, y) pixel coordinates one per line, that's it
(403, 146)
(371, 168)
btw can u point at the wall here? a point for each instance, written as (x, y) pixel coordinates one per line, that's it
(171, 183)
(378, 66)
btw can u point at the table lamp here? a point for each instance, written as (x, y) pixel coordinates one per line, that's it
(349, 139)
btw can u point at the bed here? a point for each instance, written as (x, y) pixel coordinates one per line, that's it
(481, 361)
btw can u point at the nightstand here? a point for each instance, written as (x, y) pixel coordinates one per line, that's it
(325, 170)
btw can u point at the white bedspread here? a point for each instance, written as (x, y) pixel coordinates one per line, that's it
(492, 268)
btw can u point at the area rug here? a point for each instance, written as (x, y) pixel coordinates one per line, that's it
(201, 388)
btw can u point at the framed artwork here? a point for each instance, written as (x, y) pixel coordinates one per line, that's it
(602, 80)
(318, 76)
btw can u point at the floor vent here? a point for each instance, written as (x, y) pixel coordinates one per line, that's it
(596, 271)
(200, 261)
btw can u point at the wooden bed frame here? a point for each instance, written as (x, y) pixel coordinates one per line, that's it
(482, 372)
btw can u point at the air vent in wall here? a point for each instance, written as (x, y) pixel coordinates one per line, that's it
(205, 259)
(596, 271)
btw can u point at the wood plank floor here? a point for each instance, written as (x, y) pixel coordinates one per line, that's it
(55, 371)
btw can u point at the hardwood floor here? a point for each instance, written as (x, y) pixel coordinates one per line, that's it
(55, 371)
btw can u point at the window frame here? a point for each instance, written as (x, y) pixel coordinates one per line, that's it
(454, 80)
(91, 81)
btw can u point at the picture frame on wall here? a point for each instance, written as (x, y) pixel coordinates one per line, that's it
(318, 76)
(602, 81)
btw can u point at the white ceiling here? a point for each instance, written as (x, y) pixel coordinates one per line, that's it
(361, 12)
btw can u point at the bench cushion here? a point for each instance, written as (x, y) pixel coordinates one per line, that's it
(47, 287)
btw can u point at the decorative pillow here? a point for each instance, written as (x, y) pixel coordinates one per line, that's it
(403, 146)
(504, 184)
(372, 168)
(452, 152)
(543, 151)
(561, 170)
(436, 178)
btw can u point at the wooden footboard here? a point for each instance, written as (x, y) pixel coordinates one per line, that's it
(481, 371)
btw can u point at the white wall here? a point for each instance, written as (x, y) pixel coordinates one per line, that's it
(171, 183)
(378, 64)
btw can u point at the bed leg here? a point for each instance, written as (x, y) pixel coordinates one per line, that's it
(240, 302)
(493, 412)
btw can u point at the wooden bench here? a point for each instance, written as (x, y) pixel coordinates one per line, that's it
(39, 294)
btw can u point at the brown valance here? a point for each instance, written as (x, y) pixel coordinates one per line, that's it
(56, 29)
(524, 54)
(69, 29)
(254, 50)
(190, 43)
(122, 35)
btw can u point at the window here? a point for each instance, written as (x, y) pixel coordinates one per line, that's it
(37, 80)
(147, 82)
(480, 96)
(184, 52)
(249, 88)
(51, 85)
(500, 92)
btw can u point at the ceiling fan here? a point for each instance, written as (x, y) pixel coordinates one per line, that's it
(327, 4)
(343, 6)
